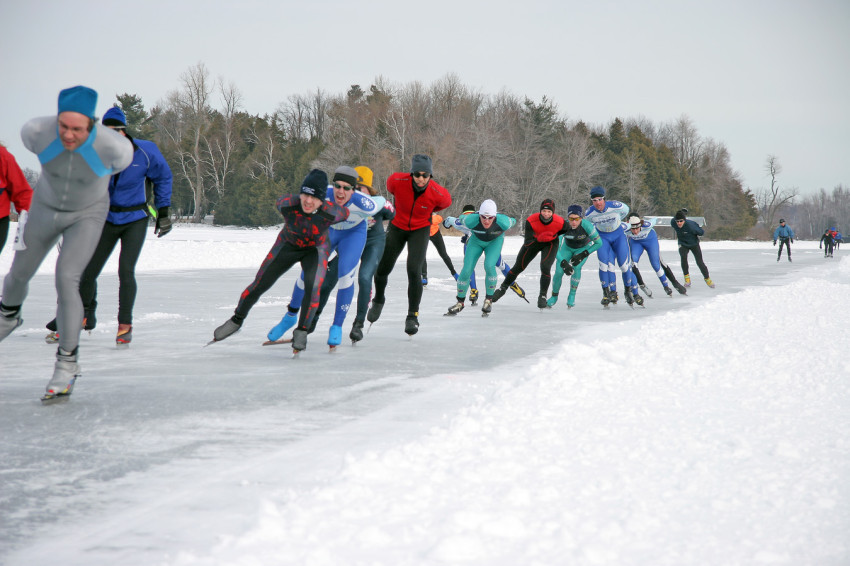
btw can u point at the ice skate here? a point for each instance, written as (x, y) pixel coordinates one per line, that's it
(606, 297)
(299, 340)
(612, 293)
(630, 300)
(488, 306)
(637, 298)
(65, 374)
(455, 308)
(411, 324)
(709, 282)
(124, 336)
(473, 296)
(226, 329)
(687, 280)
(9, 322)
(374, 311)
(334, 337)
(541, 302)
(287, 322)
(646, 291)
(668, 290)
(519, 291)
(356, 333)
(498, 294)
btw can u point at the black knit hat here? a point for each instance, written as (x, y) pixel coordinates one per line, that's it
(315, 183)
(680, 215)
(548, 204)
(421, 162)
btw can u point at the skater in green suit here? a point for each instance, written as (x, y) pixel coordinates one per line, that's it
(487, 234)
(579, 241)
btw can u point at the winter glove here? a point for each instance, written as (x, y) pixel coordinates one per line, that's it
(449, 221)
(163, 222)
(774, 242)
(568, 269)
(792, 240)
(552, 300)
(579, 257)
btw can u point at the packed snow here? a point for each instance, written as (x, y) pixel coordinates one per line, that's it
(707, 429)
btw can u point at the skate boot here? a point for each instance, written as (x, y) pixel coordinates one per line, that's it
(374, 311)
(488, 306)
(709, 282)
(668, 290)
(424, 281)
(778, 257)
(125, 335)
(232, 325)
(498, 294)
(411, 324)
(571, 299)
(646, 291)
(518, 290)
(89, 320)
(687, 280)
(455, 308)
(299, 340)
(335, 336)
(637, 298)
(541, 302)
(612, 293)
(606, 297)
(287, 322)
(65, 374)
(473, 296)
(10, 319)
(356, 333)
(552, 300)
(630, 300)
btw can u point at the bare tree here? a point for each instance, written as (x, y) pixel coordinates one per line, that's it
(771, 200)
(220, 148)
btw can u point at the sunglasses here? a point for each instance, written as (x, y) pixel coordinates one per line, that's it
(597, 199)
(486, 217)
(343, 187)
(680, 220)
(421, 174)
(574, 218)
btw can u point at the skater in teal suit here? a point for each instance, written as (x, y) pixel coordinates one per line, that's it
(487, 234)
(579, 241)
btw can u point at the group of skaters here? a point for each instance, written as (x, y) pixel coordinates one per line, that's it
(829, 242)
(334, 230)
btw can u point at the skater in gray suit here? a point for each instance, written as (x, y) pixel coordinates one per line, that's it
(70, 200)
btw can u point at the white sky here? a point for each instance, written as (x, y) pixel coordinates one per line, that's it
(761, 77)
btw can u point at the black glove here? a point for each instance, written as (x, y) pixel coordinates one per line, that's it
(792, 240)
(579, 257)
(774, 242)
(565, 265)
(163, 222)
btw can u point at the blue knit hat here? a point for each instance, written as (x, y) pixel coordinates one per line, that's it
(575, 209)
(597, 191)
(114, 117)
(80, 99)
(315, 184)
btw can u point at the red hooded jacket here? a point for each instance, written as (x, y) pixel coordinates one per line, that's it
(13, 185)
(413, 210)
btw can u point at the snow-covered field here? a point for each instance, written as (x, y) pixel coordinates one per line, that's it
(707, 429)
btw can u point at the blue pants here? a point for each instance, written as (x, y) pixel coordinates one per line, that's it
(650, 245)
(615, 247)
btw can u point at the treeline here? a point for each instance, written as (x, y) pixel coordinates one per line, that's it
(511, 149)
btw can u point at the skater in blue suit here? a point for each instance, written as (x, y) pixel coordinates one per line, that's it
(576, 244)
(607, 216)
(642, 238)
(486, 236)
(347, 239)
(785, 235)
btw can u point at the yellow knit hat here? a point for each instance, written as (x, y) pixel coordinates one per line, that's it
(365, 178)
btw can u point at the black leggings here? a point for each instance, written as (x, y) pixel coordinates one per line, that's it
(784, 242)
(548, 251)
(132, 238)
(683, 254)
(417, 245)
(437, 240)
(282, 256)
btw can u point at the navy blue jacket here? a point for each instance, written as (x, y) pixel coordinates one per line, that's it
(127, 188)
(688, 235)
